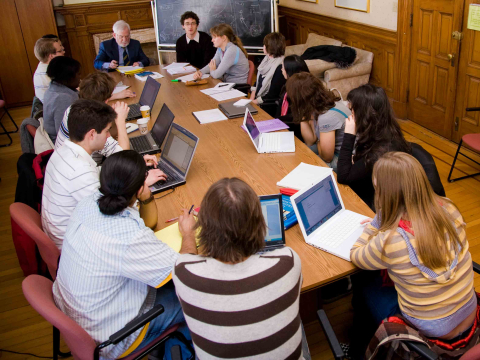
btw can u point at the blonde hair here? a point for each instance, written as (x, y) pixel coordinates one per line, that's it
(44, 48)
(402, 190)
(225, 29)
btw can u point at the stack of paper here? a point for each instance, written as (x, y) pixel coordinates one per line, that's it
(267, 126)
(227, 95)
(120, 87)
(302, 176)
(181, 70)
(175, 64)
(190, 77)
(209, 116)
(155, 75)
(129, 70)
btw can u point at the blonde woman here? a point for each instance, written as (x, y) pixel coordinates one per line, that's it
(419, 237)
(230, 63)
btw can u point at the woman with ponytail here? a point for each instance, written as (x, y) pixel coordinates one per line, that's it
(113, 268)
(230, 63)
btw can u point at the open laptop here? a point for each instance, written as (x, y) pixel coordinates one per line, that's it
(151, 142)
(176, 158)
(268, 142)
(231, 111)
(148, 97)
(323, 219)
(272, 210)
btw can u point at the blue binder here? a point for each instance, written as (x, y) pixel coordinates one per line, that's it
(289, 217)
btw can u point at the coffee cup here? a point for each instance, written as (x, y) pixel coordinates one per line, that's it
(143, 124)
(145, 110)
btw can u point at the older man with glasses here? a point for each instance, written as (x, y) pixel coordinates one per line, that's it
(120, 50)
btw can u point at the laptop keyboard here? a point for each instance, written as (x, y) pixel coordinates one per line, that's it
(270, 143)
(140, 144)
(335, 235)
(171, 176)
(134, 112)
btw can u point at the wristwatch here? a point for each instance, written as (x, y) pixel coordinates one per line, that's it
(148, 201)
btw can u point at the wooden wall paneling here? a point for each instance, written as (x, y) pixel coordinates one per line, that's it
(32, 28)
(15, 73)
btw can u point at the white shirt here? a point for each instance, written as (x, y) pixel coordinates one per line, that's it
(111, 145)
(41, 81)
(109, 268)
(71, 175)
(196, 38)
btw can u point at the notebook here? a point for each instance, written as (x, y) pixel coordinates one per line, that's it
(232, 111)
(172, 237)
(302, 176)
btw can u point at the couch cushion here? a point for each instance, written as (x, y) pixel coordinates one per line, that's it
(318, 67)
(363, 56)
(316, 40)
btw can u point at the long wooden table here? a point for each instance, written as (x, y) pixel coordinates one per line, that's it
(225, 150)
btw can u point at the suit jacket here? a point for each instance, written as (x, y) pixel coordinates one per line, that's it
(108, 51)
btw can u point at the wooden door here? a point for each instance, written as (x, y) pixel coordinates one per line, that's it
(434, 59)
(468, 94)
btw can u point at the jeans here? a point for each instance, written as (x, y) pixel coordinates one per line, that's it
(332, 164)
(172, 315)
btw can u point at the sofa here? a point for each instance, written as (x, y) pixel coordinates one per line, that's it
(343, 80)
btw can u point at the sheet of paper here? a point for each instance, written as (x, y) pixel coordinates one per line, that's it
(209, 116)
(155, 75)
(213, 91)
(267, 126)
(474, 17)
(242, 102)
(181, 70)
(119, 88)
(227, 95)
(189, 77)
(302, 176)
(174, 65)
(226, 86)
(124, 69)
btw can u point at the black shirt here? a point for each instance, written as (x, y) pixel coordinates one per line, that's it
(197, 54)
(276, 85)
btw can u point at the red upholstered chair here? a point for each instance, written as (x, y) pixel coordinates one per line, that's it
(251, 69)
(30, 222)
(5, 132)
(472, 354)
(38, 292)
(471, 141)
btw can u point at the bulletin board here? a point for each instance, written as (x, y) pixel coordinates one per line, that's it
(358, 5)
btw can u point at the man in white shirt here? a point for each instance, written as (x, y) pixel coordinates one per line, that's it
(46, 48)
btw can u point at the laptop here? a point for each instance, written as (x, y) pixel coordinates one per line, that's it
(149, 95)
(323, 219)
(176, 158)
(151, 142)
(231, 111)
(268, 142)
(272, 210)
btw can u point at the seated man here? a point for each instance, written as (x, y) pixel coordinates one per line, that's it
(195, 47)
(71, 172)
(120, 50)
(232, 296)
(45, 50)
(113, 268)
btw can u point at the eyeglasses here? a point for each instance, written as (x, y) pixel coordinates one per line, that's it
(188, 24)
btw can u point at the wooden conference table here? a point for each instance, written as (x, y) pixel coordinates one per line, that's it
(225, 150)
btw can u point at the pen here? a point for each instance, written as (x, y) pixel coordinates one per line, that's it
(222, 85)
(189, 211)
(176, 218)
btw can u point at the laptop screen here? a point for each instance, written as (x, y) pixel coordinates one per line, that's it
(252, 129)
(161, 126)
(273, 214)
(318, 204)
(149, 93)
(179, 148)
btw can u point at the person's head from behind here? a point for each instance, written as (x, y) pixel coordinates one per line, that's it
(190, 22)
(121, 33)
(122, 180)
(89, 123)
(309, 98)
(65, 71)
(274, 45)
(222, 34)
(231, 222)
(402, 190)
(96, 86)
(48, 48)
(293, 64)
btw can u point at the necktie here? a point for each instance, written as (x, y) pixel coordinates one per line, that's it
(126, 60)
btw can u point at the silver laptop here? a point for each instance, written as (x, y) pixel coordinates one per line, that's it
(272, 210)
(176, 158)
(268, 142)
(151, 142)
(231, 111)
(323, 219)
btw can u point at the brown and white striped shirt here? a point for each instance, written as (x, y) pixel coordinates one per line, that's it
(247, 310)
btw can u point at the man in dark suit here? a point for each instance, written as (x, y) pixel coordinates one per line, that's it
(121, 50)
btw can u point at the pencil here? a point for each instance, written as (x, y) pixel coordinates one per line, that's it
(189, 211)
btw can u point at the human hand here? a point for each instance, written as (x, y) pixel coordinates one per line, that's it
(186, 223)
(155, 175)
(366, 221)
(150, 160)
(113, 64)
(212, 65)
(350, 125)
(255, 101)
(123, 95)
(122, 110)
(197, 75)
(136, 63)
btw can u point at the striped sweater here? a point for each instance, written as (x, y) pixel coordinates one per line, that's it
(250, 309)
(434, 300)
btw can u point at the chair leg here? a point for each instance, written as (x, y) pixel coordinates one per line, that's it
(5, 132)
(56, 346)
(453, 165)
(11, 119)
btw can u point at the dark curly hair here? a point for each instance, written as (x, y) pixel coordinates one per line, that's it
(189, 15)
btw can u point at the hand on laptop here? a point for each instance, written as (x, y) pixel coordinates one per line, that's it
(366, 221)
(121, 109)
(151, 160)
(123, 95)
(155, 175)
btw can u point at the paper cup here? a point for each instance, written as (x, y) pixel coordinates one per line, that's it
(143, 124)
(145, 110)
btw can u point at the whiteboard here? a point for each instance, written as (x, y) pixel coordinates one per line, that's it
(359, 5)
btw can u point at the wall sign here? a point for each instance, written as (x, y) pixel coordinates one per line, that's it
(359, 5)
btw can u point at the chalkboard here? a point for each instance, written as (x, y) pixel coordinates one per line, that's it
(250, 19)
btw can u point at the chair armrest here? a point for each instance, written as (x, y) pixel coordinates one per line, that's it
(330, 334)
(136, 324)
(176, 352)
(294, 50)
(476, 267)
(421, 349)
(245, 88)
(353, 71)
